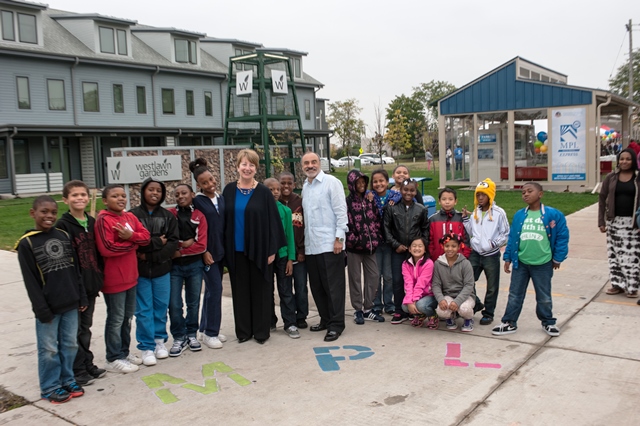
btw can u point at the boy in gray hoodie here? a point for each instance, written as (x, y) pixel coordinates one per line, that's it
(453, 284)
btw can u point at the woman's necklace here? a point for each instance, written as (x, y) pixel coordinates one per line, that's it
(247, 191)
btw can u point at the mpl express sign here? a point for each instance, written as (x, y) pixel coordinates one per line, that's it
(137, 169)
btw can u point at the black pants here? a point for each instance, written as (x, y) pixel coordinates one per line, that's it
(252, 298)
(328, 287)
(84, 357)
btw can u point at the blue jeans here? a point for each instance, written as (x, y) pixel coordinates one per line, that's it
(541, 277)
(426, 305)
(491, 267)
(152, 302)
(117, 328)
(191, 277)
(57, 346)
(398, 279)
(384, 295)
(212, 301)
(301, 296)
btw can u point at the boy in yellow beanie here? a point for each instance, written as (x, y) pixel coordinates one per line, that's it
(488, 230)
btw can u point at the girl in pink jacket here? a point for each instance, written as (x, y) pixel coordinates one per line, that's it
(417, 271)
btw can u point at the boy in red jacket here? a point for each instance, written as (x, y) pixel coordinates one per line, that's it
(118, 235)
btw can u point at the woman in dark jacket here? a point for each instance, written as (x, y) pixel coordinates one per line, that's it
(253, 234)
(617, 207)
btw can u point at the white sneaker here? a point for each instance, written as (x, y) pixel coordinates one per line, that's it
(121, 366)
(161, 351)
(293, 332)
(221, 337)
(148, 358)
(134, 359)
(212, 342)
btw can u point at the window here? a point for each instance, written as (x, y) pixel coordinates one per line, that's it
(8, 30)
(279, 106)
(55, 90)
(208, 104)
(190, 107)
(118, 98)
(3, 160)
(535, 76)
(186, 51)
(24, 99)
(106, 40)
(122, 42)
(247, 67)
(141, 97)
(90, 97)
(524, 72)
(245, 106)
(27, 28)
(238, 65)
(297, 68)
(168, 105)
(307, 109)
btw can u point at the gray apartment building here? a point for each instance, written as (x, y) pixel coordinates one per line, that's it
(73, 86)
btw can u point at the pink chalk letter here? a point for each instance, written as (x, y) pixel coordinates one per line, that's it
(486, 365)
(453, 350)
(455, 363)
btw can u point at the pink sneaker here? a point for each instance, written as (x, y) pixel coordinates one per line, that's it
(433, 322)
(418, 320)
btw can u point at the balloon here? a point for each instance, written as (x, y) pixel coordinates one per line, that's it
(537, 150)
(543, 148)
(542, 136)
(608, 132)
(537, 144)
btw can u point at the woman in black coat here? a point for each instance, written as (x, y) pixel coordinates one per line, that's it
(253, 234)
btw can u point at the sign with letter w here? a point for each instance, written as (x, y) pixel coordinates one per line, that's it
(279, 82)
(244, 83)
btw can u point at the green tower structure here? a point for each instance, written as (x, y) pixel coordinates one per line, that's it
(262, 106)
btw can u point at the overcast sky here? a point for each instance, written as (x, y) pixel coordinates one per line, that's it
(374, 50)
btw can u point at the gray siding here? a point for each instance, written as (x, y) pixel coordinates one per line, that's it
(160, 42)
(180, 84)
(83, 29)
(220, 51)
(38, 72)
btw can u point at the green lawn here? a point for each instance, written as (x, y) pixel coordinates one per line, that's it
(14, 214)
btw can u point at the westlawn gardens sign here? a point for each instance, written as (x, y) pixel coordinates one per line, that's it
(137, 168)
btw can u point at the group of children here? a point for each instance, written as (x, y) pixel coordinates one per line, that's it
(415, 266)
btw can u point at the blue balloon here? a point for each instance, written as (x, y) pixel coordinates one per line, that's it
(542, 136)
(608, 132)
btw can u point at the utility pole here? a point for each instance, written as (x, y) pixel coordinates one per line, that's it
(630, 29)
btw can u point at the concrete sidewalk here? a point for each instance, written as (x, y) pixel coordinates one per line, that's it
(376, 373)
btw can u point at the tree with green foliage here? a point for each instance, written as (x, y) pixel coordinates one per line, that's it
(619, 84)
(411, 109)
(428, 93)
(344, 119)
(397, 135)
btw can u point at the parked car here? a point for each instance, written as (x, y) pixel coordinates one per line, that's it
(334, 162)
(373, 158)
(388, 160)
(350, 161)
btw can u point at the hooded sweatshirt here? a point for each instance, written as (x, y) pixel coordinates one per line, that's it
(364, 222)
(488, 231)
(120, 264)
(158, 221)
(446, 222)
(417, 279)
(456, 281)
(50, 272)
(84, 243)
(191, 224)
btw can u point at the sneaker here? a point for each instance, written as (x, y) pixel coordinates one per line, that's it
(551, 330)
(433, 322)
(373, 316)
(160, 351)
(148, 358)
(212, 342)
(451, 324)
(178, 347)
(58, 396)
(96, 373)
(302, 323)
(486, 320)
(133, 359)
(358, 317)
(504, 328)
(418, 320)
(467, 326)
(194, 345)
(121, 366)
(74, 389)
(398, 318)
(222, 338)
(293, 332)
(84, 379)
